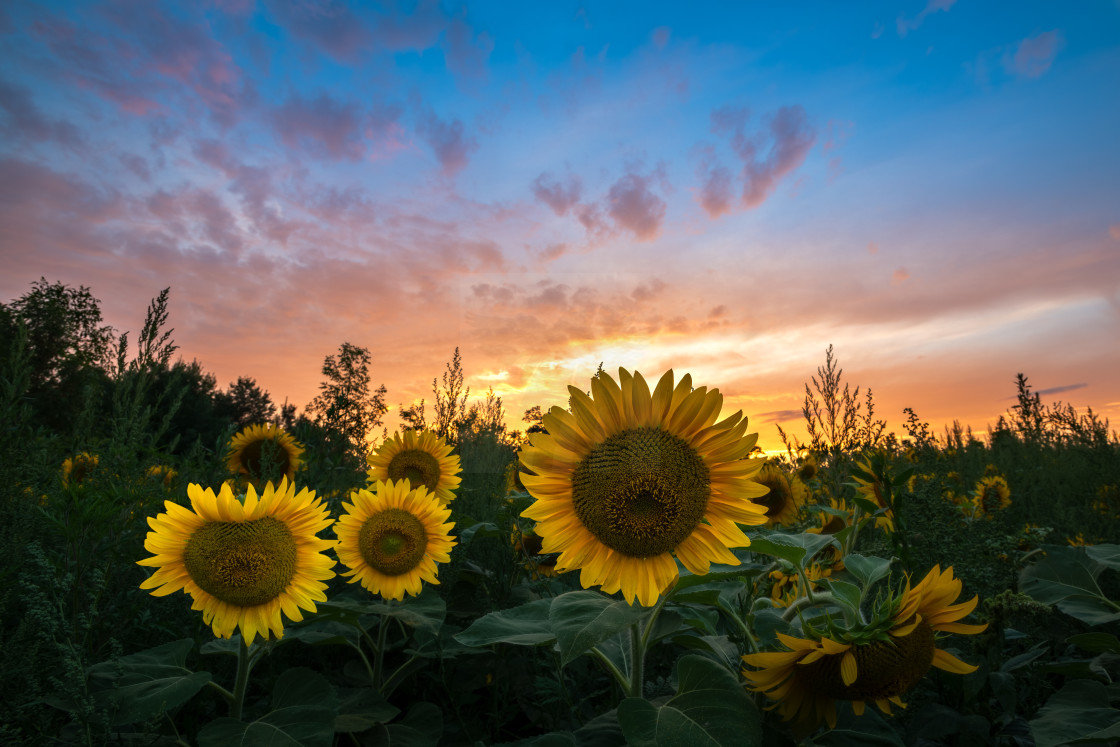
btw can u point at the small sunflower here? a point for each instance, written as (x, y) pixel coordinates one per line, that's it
(264, 452)
(538, 563)
(392, 536)
(162, 473)
(243, 563)
(808, 465)
(421, 457)
(628, 478)
(991, 496)
(786, 497)
(78, 469)
(875, 490)
(808, 679)
(787, 586)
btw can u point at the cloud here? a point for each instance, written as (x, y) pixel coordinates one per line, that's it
(778, 416)
(23, 122)
(465, 52)
(321, 127)
(792, 138)
(634, 206)
(900, 276)
(328, 24)
(1034, 55)
(1114, 231)
(1060, 389)
(647, 291)
(717, 191)
(560, 196)
(933, 6)
(660, 36)
(447, 140)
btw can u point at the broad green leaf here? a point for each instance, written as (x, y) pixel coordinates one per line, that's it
(425, 612)
(846, 595)
(300, 686)
(300, 726)
(868, 569)
(141, 686)
(421, 727)
(1096, 642)
(868, 730)
(1106, 555)
(477, 529)
(363, 709)
(710, 709)
(320, 632)
(1079, 713)
(580, 619)
(552, 739)
(1067, 578)
(797, 549)
(526, 625)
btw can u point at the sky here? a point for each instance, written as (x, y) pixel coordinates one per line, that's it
(724, 189)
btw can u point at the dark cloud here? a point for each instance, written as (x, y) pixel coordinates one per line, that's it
(778, 416)
(1060, 389)
(465, 52)
(452, 147)
(21, 121)
(646, 291)
(137, 165)
(560, 196)
(791, 139)
(330, 25)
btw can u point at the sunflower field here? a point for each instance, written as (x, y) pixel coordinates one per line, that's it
(186, 565)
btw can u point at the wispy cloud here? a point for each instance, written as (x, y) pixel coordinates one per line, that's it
(1034, 56)
(906, 25)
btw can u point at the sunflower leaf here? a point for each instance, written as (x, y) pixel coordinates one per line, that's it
(1067, 578)
(710, 709)
(581, 619)
(141, 686)
(527, 625)
(797, 549)
(302, 726)
(868, 570)
(1079, 713)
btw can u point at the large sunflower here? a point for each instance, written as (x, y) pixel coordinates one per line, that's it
(421, 457)
(808, 679)
(264, 452)
(627, 478)
(242, 563)
(392, 536)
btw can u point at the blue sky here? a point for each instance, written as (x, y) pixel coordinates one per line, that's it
(726, 189)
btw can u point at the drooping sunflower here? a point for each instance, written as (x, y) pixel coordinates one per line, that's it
(786, 497)
(264, 452)
(243, 563)
(628, 478)
(806, 681)
(421, 457)
(78, 468)
(991, 496)
(391, 537)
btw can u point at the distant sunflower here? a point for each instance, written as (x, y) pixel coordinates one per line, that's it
(538, 563)
(991, 496)
(264, 452)
(421, 457)
(162, 473)
(808, 679)
(242, 563)
(628, 478)
(874, 490)
(391, 537)
(77, 469)
(786, 497)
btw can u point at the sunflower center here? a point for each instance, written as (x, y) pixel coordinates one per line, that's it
(242, 563)
(417, 466)
(265, 457)
(884, 669)
(779, 497)
(393, 541)
(642, 491)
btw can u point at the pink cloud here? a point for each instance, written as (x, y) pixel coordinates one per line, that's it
(1114, 231)
(447, 140)
(717, 192)
(465, 52)
(900, 276)
(560, 196)
(321, 127)
(1035, 54)
(635, 207)
(660, 36)
(905, 25)
(792, 138)
(328, 24)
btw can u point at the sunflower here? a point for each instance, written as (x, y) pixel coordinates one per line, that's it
(786, 497)
(990, 496)
(263, 452)
(538, 563)
(787, 586)
(808, 465)
(243, 563)
(627, 478)
(78, 469)
(875, 490)
(421, 457)
(815, 672)
(392, 536)
(162, 473)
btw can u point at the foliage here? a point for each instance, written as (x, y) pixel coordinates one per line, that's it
(346, 404)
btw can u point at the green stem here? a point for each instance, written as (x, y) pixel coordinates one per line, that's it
(388, 685)
(227, 696)
(365, 659)
(242, 682)
(615, 672)
(379, 651)
(637, 662)
(821, 597)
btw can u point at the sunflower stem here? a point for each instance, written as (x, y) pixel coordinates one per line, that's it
(379, 651)
(227, 696)
(241, 684)
(365, 659)
(819, 599)
(637, 661)
(615, 672)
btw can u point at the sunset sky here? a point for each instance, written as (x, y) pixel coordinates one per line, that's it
(720, 188)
